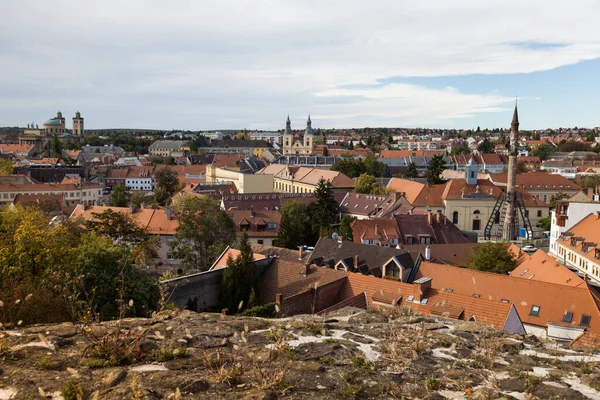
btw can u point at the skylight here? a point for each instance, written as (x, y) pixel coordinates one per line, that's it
(524, 272)
(585, 320)
(410, 298)
(504, 300)
(535, 311)
(476, 295)
(424, 301)
(568, 317)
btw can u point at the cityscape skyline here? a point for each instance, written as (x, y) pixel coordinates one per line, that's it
(208, 66)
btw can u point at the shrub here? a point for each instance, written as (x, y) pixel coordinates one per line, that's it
(45, 365)
(265, 311)
(72, 391)
(432, 384)
(327, 360)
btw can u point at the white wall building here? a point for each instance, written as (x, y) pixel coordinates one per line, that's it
(567, 215)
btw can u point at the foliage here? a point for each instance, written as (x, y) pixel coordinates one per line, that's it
(588, 181)
(203, 233)
(167, 184)
(324, 212)
(292, 227)
(325, 151)
(118, 226)
(522, 167)
(264, 311)
(138, 198)
(542, 151)
(568, 146)
(367, 184)
(240, 278)
(119, 196)
(492, 257)
(555, 198)
(436, 166)
(6, 167)
(345, 231)
(486, 146)
(545, 223)
(411, 171)
(56, 147)
(355, 167)
(72, 391)
(460, 149)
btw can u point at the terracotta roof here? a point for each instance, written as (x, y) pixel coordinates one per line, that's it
(410, 153)
(538, 180)
(583, 237)
(456, 188)
(155, 221)
(44, 187)
(358, 301)
(587, 340)
(488, 312)
(117, 173)
(452, 254)
(221, 262)
(517, 253)
(73, 180)
(251, 219)
(139, 172)
(361, 204)
(280, 252)
(15, 148)
(542, 267)
(37, 199)
(288, 279)
(411, 189)
(553, 300)
(382, 229)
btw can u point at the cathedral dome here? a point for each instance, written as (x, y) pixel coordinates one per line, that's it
(52, 122)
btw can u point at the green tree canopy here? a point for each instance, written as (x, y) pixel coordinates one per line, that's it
(486, 146)
(436, 166)
(542, 151)
(240, 279)
(292, 231)
(411, 171)
(325, 211)
(6, 167)
(345, 231)
(492, 257)
(203, 233)
(545, 223)
(367, 184)
(167, 184)
(119, 196)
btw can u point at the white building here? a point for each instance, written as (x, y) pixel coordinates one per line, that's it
(568, 214)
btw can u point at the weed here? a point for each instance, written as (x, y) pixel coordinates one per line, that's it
(432, 384)
(223, 368)
(554, 377)
(72, 391)
(45, 365)
(444, 342)
(351, 390)
(93, 363)
(330, 340)
(136, 388)
(327, 360)
(362, 363)
(275, 335)
(271, 377)
(531, 382)
(288, 352)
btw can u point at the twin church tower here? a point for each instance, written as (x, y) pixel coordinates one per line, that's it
(303, 144)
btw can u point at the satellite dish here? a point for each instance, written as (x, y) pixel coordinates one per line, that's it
(335, 236)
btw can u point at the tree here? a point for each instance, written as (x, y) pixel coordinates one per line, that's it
(486, 146)
(292, 227)
(542, 151)
(324, 212)
(545, 223)
(372, 166)
(240, 279)
(460, 149)
(325, 151)
(522, 167)
(411, 171)
(6, 167)
(56, 147)
(349, 167)
(436, 166)
(365, 184)
(346, 229)
(167, 184)
(203, 233)
(492, 257)
(119, 227)
(119, 196)
(138, 198)
(555, 198)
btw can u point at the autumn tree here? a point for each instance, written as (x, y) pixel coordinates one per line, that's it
(367, 184)
(492, 257)
(203, 233)
(6, 167)
(292, 227)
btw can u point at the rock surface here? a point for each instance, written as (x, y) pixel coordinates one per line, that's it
(349, 354)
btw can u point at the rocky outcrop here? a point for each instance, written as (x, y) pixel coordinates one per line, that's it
(351, 353)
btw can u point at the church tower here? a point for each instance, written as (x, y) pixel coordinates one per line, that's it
(288, 137)
(78, 124)
(471, 172)
(308, 136)
(61, 119)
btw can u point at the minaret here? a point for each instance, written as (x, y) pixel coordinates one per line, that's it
(308, 136)
(288, 137)
(78, 125)
(509, 229)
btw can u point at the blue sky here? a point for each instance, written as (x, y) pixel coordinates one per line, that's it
(212, 64)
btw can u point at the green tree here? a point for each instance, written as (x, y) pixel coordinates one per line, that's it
(492, 257)
(545, 223)
(436, 166)
(324, 212)
(167, 184)
(139, 197)
(365, 184)
(542, 151)
(555, 198)
(203, 233)
(411, 171)
(292, 227)
(460, 149)
(486, 146)
(346, 229)
(6, 167)
(325, 151)
(240, 279)
(373, 166)
(350, 167)
(119, 196)
(56, 147)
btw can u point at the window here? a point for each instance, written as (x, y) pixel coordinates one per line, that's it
(476, 295)
(425, 240)
(410, 298)
(424, 301)
(455, 217)
(539, 213)
(568, 317)
(585, 320)
(260, 241)
(504, 300)
(476, 212)
(535, 311)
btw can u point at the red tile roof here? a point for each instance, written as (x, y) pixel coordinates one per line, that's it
(542, 267)
(538, 180)
(221, 262)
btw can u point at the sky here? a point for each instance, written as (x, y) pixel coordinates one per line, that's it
(233, 64)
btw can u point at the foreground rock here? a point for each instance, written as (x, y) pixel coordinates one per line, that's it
(349, 354)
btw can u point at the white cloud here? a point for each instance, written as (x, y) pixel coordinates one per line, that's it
(201, 64)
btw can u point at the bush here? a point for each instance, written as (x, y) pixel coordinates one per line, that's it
(72, 391)
(266, 311)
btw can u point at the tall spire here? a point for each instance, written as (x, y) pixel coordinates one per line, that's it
(288, 126)
(309, 130)
(515, 119)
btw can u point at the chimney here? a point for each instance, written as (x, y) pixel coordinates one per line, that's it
(251, 211)
(168, 212)
(420, 288)
(300, 252)
(132, 209)
(356, 260)
(439, 217)
(427, 253)
(429, 218)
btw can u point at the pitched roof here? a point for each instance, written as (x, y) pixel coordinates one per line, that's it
(280, 252)
(253, 219)
(542, 267)
(537, 180)
(381, 229)
(518, 254)
(15, 148)
(409, 188)
(221, 262)
(456, 189)
(553, 300)
(452, 254)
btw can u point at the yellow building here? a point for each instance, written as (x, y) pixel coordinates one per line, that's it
(302, 145)
(245, 183)
(35, 136)
(291, 179)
